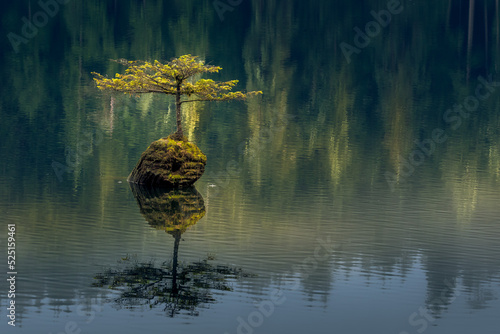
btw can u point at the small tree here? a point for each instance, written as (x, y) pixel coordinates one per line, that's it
(172, 78)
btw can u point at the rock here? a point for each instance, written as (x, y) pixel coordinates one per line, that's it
(170, 163)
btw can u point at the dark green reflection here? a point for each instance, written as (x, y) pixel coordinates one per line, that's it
(173, 286)
(171, 210)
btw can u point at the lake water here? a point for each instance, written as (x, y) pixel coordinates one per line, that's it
(359, 194)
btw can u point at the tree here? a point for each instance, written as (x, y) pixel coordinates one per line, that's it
(172, 78)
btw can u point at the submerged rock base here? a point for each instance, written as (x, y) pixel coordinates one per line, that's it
(169, 162)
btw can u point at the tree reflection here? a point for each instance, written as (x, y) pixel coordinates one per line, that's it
(173, 286)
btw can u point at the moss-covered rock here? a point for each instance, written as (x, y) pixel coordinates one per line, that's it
(169, 162)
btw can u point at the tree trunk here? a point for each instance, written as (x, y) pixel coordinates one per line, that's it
(470, 35)
(486, 40)
(498, 29)
(177, 236)
(175, 287)
(179, 133)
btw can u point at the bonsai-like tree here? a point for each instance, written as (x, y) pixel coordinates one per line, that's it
(172, 78)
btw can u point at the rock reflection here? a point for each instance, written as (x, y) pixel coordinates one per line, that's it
(175, 287)
(171, 210)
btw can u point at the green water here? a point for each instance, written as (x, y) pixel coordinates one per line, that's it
(359, 194)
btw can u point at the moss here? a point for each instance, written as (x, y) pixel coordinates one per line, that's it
(169, 162)
(175, 177)
(177, 138)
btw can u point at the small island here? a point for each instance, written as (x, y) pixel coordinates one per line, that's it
(172, 161)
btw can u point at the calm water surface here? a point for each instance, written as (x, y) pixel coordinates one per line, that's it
(349, 198)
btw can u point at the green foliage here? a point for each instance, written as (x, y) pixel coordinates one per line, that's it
(171, 78)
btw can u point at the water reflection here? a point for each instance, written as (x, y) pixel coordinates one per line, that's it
(171, 210)
(311, 160)
(172, 285)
